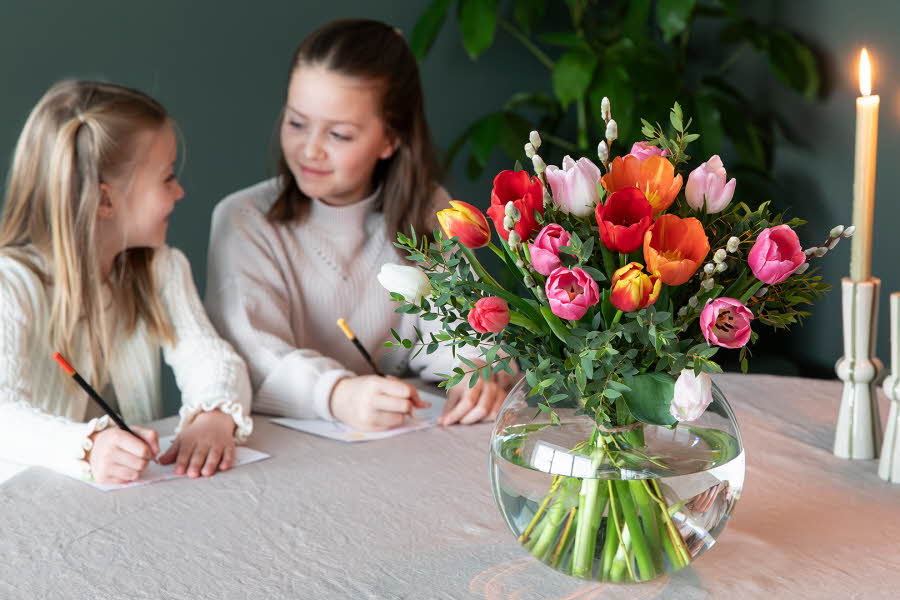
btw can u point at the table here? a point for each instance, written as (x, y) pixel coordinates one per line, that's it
(412, 517)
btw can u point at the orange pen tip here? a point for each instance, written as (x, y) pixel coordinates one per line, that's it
(346, 329)
(64, 363)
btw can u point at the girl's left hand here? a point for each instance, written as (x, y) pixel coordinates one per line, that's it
(204, 446)
(479, 403)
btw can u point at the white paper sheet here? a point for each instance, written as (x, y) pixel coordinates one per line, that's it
(156, 472)
(422, 419)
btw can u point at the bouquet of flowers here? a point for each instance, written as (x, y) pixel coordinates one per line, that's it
(620, 283)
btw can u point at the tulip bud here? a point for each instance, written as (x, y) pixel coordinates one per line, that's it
(801, 269)
(529, 150)
(732, 244)
(603, 152)
(535, 138)
(836, 232)
(708, 268)
(849, 231)
(539, 165)
(612, 131)
(719, 256)
(605, 110)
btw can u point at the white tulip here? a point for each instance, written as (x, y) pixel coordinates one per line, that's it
(693, 393)
(410, 282)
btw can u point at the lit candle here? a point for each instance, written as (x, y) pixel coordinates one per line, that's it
(864, 173)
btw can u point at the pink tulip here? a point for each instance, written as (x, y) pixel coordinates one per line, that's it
(693, 393)
(776, 254)
(571, 292)
(706, 185)
(544, 250)
(642, 150)
(725, 322)
(489, 314)
(574, 186)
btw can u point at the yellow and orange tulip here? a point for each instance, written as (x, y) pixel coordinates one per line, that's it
(654, 176)
(675, 247)
(467, 222)
(632, 289)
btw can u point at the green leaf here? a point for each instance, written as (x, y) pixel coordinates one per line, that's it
(528, 13)
(478, 22)
(427, 28)
(635, 25)
(650, 398)
(572, 75)
(672, 16)
(484, 136)
(793, 63)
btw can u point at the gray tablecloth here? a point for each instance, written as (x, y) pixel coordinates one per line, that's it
(412, 517)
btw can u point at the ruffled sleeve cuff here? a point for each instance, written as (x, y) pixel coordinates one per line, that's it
(86, 444)
(243, 423)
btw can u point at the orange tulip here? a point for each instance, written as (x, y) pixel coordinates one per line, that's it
(632, 289)
(467, 222)
(655, 176)
(675, 247)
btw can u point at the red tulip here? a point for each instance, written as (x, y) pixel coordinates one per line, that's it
(527, 195)
(624, 219)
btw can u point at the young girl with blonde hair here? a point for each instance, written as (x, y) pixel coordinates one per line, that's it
(291, 255)
(84, 270)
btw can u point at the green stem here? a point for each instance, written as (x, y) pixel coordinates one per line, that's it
(610, 544)
(582, 123)
(557, 481)
(623, 260)
(591, 502)
(558, 141)
(649, 511)
(674, 535)
(609, 262)
(565, 539)
(552, 521)
(616, 568)
(638, 540)
(478, 268)
(618, 317)
(523, 39)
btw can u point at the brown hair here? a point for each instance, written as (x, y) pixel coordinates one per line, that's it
(375, 51)
(79, 133)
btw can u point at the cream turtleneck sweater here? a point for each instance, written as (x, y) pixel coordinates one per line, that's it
(275, 291)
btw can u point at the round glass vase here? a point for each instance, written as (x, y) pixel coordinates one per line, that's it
(625, 504)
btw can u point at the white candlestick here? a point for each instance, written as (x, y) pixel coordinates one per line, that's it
(889, 464)
(858, 431)
(864, 174)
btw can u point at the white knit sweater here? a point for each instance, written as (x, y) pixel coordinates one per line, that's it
(275, 291)
(42, 409)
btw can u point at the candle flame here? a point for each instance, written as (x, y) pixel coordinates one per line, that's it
(865, 73)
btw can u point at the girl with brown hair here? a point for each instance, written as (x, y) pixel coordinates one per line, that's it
(291, 255)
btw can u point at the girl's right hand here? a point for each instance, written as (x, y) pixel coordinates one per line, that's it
(373, 403)
(119, 457)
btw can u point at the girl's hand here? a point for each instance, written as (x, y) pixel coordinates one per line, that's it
(373, 403)
(119, 457)
(204, 446)
(479, 403)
